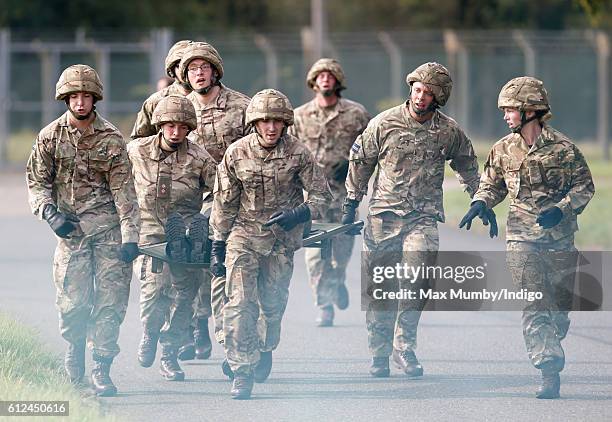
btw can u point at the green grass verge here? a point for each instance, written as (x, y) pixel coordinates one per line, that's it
(29, 372)
(595, 226)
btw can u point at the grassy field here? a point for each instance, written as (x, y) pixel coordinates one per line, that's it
(595, 228)
(29, 372)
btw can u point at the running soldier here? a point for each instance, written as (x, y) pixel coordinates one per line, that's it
(79, 181)
(329, 125)
(258, 216)
(549, 184)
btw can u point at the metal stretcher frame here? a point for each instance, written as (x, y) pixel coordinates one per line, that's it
(320, 236)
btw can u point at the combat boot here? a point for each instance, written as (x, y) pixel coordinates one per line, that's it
(227, 370)
(198, 239)
(177, 246)
(100, 377)
(326, 316)
(408, 362)
(551, 384)
(380, 367)
(242, 387)
(342, 297)
(74, 361)
(147, 349)
(264, 367)
(187, 350)
(201, 337)
(169, 367)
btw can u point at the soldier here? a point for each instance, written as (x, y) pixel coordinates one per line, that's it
(164, 82)
(143, 126)
(220, 112)
(409, 143)
(549, 184)
(328, 125)
(171, 175)
(258, 215)
(79, 181)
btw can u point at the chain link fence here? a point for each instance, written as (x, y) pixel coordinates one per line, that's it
(574, 65)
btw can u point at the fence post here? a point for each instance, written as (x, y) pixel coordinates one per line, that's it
(103, 67)
(458, 61)
(602, 42)
(50, 69)
(5, 74)
(319, 27)
(160, 42)
(264, 44)
(528, 52)
(395, 58)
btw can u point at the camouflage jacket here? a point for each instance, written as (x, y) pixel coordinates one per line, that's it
(410, 158)
(254, 183)
(329, 136)
(220, 123)
(552, 172)
(168, 183)
(86, 174)
(143, 126)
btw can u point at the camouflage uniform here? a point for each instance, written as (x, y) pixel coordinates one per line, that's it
(220, 123)
(88, 175)
(552, 172)
(252, 184)
(167, 183)
(143, 126)
(329, 134)
(406, 202)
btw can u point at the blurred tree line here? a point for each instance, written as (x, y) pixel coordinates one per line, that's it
(342, 15)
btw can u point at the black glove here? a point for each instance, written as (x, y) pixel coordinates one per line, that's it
(490, 216)
(340, 170)
(62, 224)
(217, 258)
(349, 211)
(479, 209)
(550, 217)
(288, 219)
(128, 252)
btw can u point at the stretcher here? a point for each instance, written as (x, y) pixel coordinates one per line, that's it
(320, 236)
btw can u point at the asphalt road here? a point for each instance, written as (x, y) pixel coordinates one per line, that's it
(476, 366)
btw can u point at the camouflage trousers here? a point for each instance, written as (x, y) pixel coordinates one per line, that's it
(218, 300)
(92, 290)
(166, 300)
(257, 288)
(201, 304)
(327, 274)
(549, 268)
(388, 240)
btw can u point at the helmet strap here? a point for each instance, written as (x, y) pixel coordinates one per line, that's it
(524, 121)
(78, 116)
(170, 146)
(213, 82)
(430, 109)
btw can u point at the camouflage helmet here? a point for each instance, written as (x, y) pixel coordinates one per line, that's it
(174, 56)
(524, 93)
(322, 65)
(174, 108)
(436, 77)
(204, 51)
(269, 104)
(78, 78)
